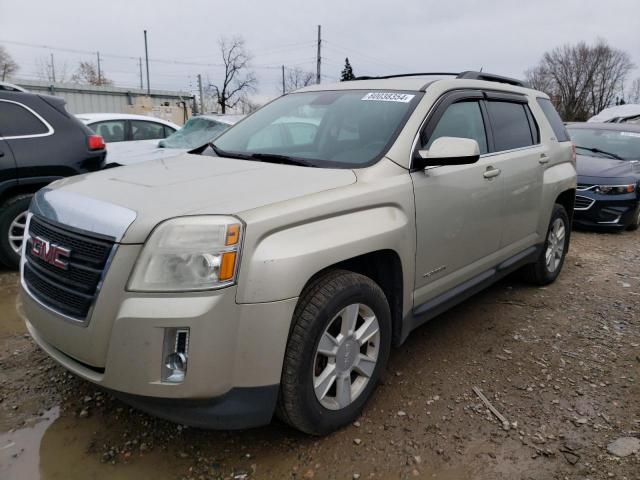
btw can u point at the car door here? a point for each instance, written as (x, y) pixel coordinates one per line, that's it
(458, 207)
(516, 147)
(8, 175)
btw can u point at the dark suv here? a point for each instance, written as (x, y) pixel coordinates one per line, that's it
(39, 142)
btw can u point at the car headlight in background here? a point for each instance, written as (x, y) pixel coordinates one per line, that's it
(615, 189)
(189, 254)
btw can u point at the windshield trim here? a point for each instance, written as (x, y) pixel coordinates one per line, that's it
(321, 163)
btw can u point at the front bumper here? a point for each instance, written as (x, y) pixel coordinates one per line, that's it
(605, 211)
(234, 361)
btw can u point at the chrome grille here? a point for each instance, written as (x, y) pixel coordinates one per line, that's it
(583, 203)
(69, 291)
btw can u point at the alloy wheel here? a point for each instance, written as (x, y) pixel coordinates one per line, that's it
(346, 356)
(555, 245)
(16, 232)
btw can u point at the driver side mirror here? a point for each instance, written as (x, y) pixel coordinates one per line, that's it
(161, 144)
(448, 151)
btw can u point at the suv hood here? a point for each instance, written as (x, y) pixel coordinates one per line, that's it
(190, 184)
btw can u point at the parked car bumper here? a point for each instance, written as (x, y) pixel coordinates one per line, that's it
(605, 211)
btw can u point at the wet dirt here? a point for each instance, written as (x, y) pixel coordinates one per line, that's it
(561, 363)
(11, 322)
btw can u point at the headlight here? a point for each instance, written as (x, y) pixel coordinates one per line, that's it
(615, 189)
(189, 253)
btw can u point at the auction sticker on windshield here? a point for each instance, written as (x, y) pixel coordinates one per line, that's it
(388, 97)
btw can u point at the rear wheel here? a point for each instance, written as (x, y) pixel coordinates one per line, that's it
(13, 221)
(547, 268)
(338, 347)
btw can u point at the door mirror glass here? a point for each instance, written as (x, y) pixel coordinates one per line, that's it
(449, 151)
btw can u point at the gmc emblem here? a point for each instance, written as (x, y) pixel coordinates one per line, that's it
(50, 252)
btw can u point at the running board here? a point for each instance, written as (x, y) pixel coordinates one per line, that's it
(443, 302)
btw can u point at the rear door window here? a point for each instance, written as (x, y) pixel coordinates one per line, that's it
(511, 127)
(18, 121)
(554, 119)
(462, 120)
(143, 130)
(111, 131)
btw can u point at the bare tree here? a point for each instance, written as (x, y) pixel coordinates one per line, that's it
(87, 73)
(48, 72)
(238, 79)
(634, 93)
(296, 78)
(7, 65)
(581, 79)
(246, 105)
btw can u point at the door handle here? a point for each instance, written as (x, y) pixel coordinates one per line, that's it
(1, 154)
(491, 172)
(544, 158)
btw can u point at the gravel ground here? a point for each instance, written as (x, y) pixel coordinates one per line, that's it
(561, 364)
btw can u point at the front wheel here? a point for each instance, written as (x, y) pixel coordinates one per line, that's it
(549, 263)
(635, 223)
(338, 347)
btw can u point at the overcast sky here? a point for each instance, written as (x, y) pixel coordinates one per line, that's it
(378, 36)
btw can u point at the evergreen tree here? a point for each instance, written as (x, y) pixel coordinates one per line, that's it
(347, 72)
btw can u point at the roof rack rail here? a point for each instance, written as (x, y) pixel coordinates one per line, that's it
(469, 75)
(490, 77)
(424, 74)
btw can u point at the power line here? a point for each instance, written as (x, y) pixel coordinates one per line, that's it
(379, 61)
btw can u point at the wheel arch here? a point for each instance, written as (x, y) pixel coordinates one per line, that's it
(383, 267)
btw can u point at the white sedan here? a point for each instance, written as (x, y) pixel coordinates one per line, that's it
(125, 127)
(196, 133)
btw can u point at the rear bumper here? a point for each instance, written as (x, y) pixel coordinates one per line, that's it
(606, 212)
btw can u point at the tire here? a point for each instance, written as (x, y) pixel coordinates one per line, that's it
(320, 315)
(14, 210)
(635, 223)
(544, 272)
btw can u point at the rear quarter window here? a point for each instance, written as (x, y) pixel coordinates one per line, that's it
(17, 121)
(554, 119)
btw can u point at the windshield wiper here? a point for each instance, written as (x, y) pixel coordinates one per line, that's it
(223, 153)
(275, 158)
(262, 157)
(602, 152)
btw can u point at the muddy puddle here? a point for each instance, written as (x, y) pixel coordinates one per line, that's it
(56, 446)
(10, 305)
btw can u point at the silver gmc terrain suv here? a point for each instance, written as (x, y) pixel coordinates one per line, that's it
(273, 271)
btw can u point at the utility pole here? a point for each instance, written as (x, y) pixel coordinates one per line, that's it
(53, 70)
(201, 96)
(146, 56)
(283, 92)
(140, 65)
(4, 71)
(99, 73)
(318, 57)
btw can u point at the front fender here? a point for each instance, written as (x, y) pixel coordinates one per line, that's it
(281, 262)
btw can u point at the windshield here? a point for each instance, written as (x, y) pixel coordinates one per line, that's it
(198, 131)
(596, 142)
(349, 128)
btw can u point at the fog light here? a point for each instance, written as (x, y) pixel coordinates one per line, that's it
(175, 354)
